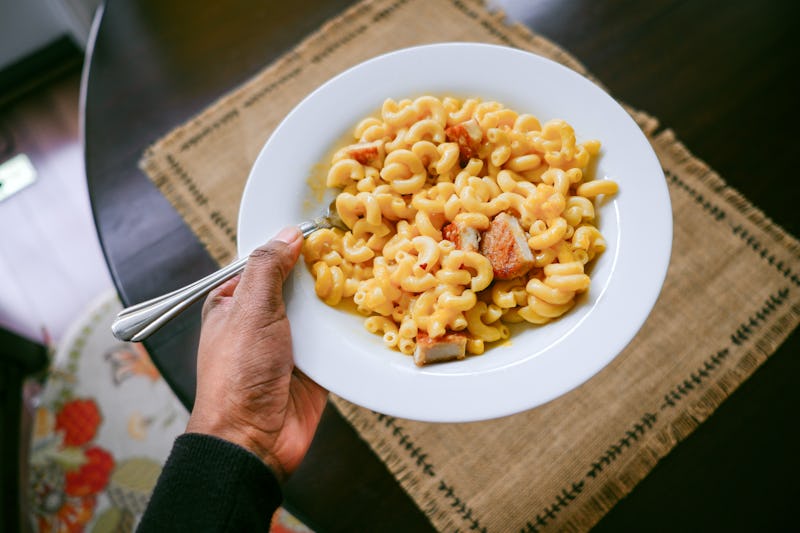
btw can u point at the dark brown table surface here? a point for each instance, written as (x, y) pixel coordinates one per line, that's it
(723, 75)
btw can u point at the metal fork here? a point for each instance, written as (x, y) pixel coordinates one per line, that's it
(137, 322)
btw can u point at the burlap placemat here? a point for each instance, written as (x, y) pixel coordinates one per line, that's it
(730, 298)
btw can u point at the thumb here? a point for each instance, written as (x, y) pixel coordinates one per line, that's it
(267, 268)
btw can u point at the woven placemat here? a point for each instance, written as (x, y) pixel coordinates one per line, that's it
(731, 296)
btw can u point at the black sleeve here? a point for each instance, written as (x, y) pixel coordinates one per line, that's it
(209, 484)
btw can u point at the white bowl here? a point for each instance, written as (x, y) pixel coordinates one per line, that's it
(540, 362)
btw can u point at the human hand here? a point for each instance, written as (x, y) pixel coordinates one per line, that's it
(248, 389)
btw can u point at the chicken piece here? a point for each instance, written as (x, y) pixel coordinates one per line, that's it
(468, 135)
(366, 153)
(448, 347)
(506, 247)
(464, 237)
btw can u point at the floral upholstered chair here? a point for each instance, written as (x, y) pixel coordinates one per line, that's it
(103, 427)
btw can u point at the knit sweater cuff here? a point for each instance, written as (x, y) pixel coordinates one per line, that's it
(213, 484)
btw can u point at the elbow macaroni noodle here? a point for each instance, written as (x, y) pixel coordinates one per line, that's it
(404, 178)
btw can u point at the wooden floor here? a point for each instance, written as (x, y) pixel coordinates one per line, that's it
(51, 265)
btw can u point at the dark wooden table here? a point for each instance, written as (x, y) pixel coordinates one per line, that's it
(722, 74)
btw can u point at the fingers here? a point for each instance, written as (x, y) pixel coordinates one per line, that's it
(317, 394)
(228, 287)
(267, 269)
(218, 295)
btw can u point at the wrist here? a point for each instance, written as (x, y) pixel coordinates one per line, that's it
(221, 427)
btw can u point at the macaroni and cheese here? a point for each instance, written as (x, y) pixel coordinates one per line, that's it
(464, 216)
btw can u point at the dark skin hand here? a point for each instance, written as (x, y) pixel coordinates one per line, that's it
(248, 390)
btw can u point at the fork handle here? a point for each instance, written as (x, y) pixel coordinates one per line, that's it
(139, 321)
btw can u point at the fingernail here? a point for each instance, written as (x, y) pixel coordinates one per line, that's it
(288, 235)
